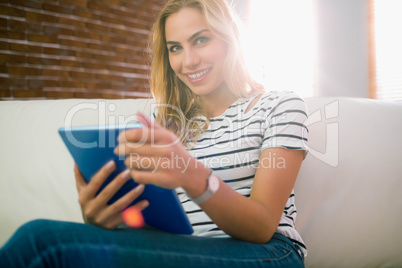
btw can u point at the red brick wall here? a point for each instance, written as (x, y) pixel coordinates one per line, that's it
(75, 48)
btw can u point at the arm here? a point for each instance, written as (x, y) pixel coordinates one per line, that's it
(253, 219)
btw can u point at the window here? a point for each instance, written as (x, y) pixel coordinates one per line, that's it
(279, 44)
(386, 49)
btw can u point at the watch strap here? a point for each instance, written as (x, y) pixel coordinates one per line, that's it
(207, 194)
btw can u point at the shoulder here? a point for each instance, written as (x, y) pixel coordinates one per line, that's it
(275, 101)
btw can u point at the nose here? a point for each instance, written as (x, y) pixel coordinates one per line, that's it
(191, 59)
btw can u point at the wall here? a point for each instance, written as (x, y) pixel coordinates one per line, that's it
(75, 48)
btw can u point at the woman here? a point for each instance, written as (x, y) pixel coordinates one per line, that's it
(243, 148)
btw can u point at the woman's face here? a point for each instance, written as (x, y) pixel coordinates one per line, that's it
(196, 55)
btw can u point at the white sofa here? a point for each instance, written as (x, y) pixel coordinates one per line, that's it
(348, 193)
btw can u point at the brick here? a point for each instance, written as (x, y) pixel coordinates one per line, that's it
(59, 51)
(42, 38)
(114, 2)
(79, 3)
(5, 93)
(97, 27)
(94, 65)
(3, 22)
(72, 22)
(139, 42)
(18, 82)
(40, 84)
(12, 11)
(112, 95)
(139, 60)
(22, 70)
(27, 3)
(12, 35)
(72, 43)
(114, 20)
(54, 30)
(97, 85)
(82, 74)
(72, 84)
(96, 5)
(88, 95)
(86, 14)
(85, 55)
(43, 60)
(87, 34)
(111, 58)
(25, 48)
(110, 77)
(12, 58)
(58, 8)
(24, 26)
(137, 25)
(55, 72)
(70, 63)
(103, 46)
(3, 68)
(34, 16)
(4, 45)
(58, 94)
(5, 82)
(32, 93)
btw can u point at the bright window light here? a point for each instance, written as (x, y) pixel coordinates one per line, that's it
(279, 45)
(388, 43)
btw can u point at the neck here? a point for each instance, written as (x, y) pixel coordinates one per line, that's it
(217, 102)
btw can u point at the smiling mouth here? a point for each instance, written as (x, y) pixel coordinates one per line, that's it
(199, 74)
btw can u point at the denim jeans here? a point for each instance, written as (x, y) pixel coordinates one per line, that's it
(46, 243)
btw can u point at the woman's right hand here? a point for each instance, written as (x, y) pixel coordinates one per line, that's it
(95, 209)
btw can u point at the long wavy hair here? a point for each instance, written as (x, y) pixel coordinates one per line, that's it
(179, 109)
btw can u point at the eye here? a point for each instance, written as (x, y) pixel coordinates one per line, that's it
(201, 40)
(174, 48)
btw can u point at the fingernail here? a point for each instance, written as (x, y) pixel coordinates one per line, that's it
(126, 174)
(145, 204)
(110, 165)
(139, 188)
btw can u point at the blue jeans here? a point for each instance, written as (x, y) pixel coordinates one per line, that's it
(46, 243)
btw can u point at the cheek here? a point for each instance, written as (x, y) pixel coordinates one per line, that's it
(174, 64)
(218, 54)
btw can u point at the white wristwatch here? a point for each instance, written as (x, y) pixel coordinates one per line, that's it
(212, 188)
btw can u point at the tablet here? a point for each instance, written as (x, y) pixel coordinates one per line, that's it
(92, 147)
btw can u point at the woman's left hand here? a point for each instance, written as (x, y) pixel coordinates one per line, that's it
(156, 156)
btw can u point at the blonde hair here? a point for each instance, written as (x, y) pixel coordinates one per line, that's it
(178, 105)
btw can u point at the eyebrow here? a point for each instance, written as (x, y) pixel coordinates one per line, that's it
(188, 40)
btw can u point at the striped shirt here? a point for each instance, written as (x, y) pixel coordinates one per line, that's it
(231, 148)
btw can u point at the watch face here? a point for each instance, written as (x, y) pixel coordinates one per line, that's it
(214, 183)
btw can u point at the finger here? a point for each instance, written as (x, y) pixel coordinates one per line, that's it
(110, 190)
(111, 222)
(142, 118)
(136, 135)
(127, 148)
(134, 161)
(80, 182)
(147, 177)
(114, 222)
(99, 178)
(126, 200)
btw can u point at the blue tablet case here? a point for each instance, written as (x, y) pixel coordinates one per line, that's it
(92, 147)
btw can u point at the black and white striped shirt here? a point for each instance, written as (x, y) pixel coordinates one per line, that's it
(232, 145)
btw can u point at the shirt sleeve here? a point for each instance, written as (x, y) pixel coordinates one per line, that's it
(285, 119)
